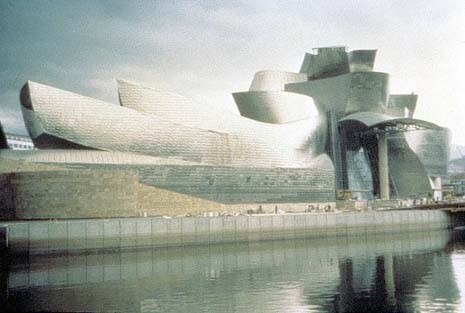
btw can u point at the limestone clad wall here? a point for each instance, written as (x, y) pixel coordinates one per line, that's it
(73, 194)
(233, 185)
(98, 193)
(243, 185)
(63, 190)
(67, 194)
(68, 185)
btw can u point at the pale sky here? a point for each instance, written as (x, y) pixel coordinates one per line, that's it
(208, 49)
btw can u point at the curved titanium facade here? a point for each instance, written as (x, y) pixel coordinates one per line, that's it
(408, 176)
(362, 60)
(415, 156)
(275, 80)
(266, 101)
(99, 125)
(362, 96)
(274, 107)
(328, 62)
(305, 138)
(347, 93)
(398, 104)
(368, 91)
(407, 171)
(432, 148)
(300, 136)
(171, 106)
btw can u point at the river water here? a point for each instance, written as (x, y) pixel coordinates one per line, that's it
(413, 272)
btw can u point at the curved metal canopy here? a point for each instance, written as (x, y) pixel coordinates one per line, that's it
(379, 122)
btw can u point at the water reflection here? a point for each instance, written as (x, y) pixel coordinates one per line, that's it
(382, 273)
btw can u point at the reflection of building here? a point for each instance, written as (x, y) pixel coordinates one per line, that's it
(386, 273)
(300, 137)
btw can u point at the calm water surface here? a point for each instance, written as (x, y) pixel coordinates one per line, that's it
(415, 272)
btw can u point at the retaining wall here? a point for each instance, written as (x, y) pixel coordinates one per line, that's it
(123, 233)
(68, 194)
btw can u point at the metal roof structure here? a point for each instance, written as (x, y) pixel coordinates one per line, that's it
(378, 122)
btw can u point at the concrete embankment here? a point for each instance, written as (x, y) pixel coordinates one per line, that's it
(68, 236)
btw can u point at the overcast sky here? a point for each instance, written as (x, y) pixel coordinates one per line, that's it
(207, 50)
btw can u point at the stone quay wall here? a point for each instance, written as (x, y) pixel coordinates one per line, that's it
(68, 236)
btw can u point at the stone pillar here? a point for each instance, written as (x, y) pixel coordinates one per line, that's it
(383, 167)
(436, 185)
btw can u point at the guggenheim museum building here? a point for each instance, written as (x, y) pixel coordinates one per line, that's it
(301, 137)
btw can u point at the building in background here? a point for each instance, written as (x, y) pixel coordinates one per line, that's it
(19, 142)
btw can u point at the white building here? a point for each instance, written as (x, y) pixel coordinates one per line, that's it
(19, 142)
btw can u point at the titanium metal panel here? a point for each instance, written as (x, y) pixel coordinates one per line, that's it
(275, 80)
(99, 125)
(347, 93)
(362, 60)
(274, 107)
(171, 106)
(407, 174)
(329, 94)
(156, 103)
(432, 146)
(204, 150)
(374, 119)
(328, 62)
(292, 136)
(398, 103)
(368, 91)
